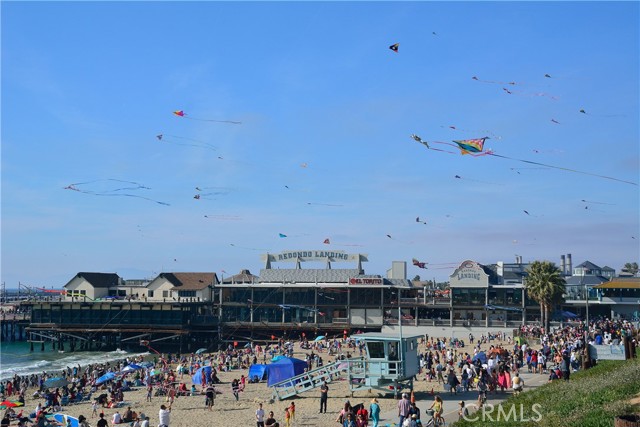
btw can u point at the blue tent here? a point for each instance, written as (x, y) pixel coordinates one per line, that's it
(259, 371)
(481, 355)
(197, 377)
(283, 369)
(106, 377)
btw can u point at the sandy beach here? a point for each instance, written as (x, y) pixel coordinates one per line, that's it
(190, 411)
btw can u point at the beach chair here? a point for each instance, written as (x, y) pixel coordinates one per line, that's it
(64, 401)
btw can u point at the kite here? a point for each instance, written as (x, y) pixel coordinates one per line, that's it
(555, 121)
(476, 180)
(513, 92)
(328, 242)
(493, 82)
(401, 241)
(593, 210)
(201, 195)
(181, 113)
(597, 203)
(468, 146)
(112, 192)
(282, 235)
(419, 264)
(243, 247)
(323, 204)
(535, 216)
(223, 217)
(547, 76)
(394, 47)
(600, 115)
(476, 146)
(418, 220)
(194, 142)
(517, 170)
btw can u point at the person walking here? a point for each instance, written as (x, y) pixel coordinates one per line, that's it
(101, 422)
(210, 396)
(292, 411)
(374, 412)
(324, 395)
(404, 406)
(235, 388)
(164, 416)
(260, 416)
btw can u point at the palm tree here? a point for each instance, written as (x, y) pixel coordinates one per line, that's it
(545, 284)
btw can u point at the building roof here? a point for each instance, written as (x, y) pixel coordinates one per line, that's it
(607, 268)
(621, 283)
(100, 280)
(190, 281)
(308, 275)
(588, 265)
(585, 280)
(244, 276)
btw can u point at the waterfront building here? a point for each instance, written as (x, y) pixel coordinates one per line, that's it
(182, 287)
(193, 309)
(92, 286)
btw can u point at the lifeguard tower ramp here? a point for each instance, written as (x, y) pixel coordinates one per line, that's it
(391, 362)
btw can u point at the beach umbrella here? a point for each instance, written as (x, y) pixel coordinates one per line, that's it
(56, 382)
(247, 345)
(106, 377)
(145, 365)
(201, 350)
(131, 367)
(275, 359)
(320, 338)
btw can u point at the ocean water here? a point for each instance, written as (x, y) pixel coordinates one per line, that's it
(15, 358)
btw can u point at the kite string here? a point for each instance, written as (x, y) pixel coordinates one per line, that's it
(562, 168)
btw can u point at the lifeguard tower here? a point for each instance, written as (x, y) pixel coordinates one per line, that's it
(390, 363)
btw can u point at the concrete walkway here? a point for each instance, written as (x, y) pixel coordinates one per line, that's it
(424, 399)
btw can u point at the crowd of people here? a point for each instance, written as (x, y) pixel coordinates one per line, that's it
(457, 366)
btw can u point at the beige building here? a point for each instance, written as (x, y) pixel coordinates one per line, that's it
(92, 285)
(182, 287)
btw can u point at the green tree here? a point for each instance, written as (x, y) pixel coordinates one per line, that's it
(545, 285)
(631, 267)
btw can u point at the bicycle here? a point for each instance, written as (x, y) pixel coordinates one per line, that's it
(433, 422)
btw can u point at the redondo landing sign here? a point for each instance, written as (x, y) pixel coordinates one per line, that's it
(314, 255)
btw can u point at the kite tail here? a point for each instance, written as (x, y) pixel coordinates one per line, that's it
(211, 120)
(443, 143)
(564, 169)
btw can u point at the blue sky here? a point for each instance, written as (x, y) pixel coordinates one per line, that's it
(324, 148)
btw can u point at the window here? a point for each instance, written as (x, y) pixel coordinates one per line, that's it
(393, 350)
(165, 294)
(150, 294)
(376, 349)
(185, 294)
